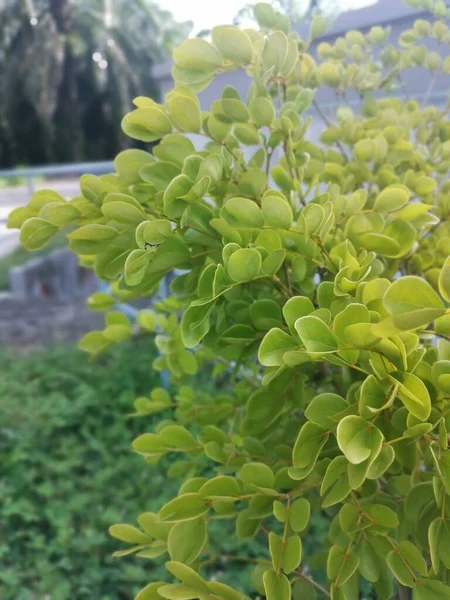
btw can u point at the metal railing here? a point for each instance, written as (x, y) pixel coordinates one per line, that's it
(65, 170)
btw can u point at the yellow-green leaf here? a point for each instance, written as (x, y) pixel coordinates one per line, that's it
(413, 393)
(444, 280)
(146, 124)
(35, 233)
(187, 540)
(244, 265)
(412, 302)
(277, 586)
(356, 438)
(315, 335)
(185, 114)
(277, 212)
(128, 533)
(197, 54)
(233, 44)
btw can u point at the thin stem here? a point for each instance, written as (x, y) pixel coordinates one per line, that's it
(430, 87)
(346, 554)
(328, 123)
(285, 534)
(249, 380)
(281, 286)
(356, 368)
(268, 159)
(324, 591)
(399, 439)
(219, 557)
(321, 114)
(203, 253)
(389, 76)
(199, 230)
(282, 92)
(244, 166)
(288, 278)
(245, 559)
(432, 83)
(318, 242)
(395, 547)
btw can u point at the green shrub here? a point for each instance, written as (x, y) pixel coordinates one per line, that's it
(64, 442)
(321, 295)
(64, 438)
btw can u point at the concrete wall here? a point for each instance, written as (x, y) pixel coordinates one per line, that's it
(31, 323)
(47, 302)
(54, 276)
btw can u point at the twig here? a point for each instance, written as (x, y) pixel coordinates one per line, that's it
(288, 278)
(268, 159)
(321, 114)
(430, 87)
(281, 286)
(328, 123)
(324, 251)
(391, 73)
(236, 158)
(315, 584)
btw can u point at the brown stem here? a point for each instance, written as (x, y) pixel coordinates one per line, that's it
(268, 159)
(404, 593)
(315, 584)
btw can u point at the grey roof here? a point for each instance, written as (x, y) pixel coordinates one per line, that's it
(383, 12)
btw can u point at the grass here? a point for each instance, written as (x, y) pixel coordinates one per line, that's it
(68, 472)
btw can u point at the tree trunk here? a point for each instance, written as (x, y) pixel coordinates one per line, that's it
(68, 106)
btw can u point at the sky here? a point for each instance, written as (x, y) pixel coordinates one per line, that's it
(208, 13)
(204, 13)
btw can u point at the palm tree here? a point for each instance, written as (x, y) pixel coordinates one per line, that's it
(69, 68)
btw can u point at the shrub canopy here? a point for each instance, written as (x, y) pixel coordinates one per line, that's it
(316, 275)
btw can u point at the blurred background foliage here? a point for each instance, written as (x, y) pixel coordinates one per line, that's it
(68, 473)
(65, 443)
(69, 70)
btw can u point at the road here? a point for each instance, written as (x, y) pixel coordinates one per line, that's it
(11, 198)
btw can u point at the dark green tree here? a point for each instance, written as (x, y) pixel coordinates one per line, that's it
(68, 70)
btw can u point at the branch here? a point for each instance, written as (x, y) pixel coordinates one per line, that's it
(315, 584)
